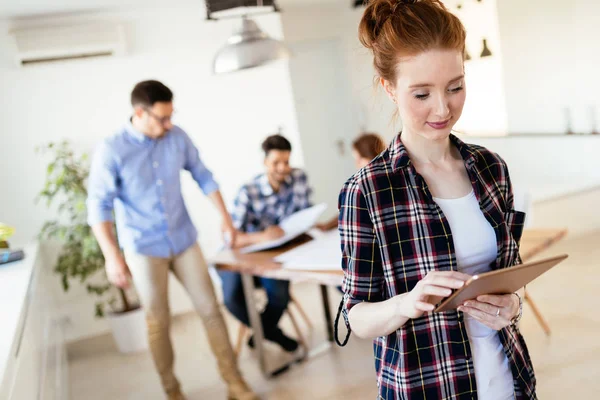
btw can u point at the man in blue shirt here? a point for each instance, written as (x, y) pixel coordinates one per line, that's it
(258, 209)
(136, 174)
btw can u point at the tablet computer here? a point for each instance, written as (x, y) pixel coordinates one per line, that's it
(502, 281)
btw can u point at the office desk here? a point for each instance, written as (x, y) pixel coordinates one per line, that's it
(262, 264)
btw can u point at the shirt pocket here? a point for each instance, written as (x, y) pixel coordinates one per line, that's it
(515, 220)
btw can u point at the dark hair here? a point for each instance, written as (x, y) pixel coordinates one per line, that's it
(146, 93)
(276, 142)
(368, 145)
(397, 28)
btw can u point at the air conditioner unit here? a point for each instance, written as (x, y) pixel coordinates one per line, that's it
(59, 43)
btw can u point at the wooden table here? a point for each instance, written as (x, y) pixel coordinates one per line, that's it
(262, 264)
(534, 241)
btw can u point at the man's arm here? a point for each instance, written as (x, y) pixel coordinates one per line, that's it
(247, 239)
(102, 191)
(328, 225)
(116, 268)
(193, 164)
(230, 234)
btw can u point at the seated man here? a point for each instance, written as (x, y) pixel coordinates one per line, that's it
(258, 209)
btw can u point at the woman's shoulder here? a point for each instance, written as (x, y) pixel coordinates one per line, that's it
(370, 173)
(373, 178)
(487, 159)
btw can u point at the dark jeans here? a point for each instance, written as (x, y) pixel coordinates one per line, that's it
(278, 295)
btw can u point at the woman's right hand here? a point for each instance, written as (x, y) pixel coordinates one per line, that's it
(430, 290)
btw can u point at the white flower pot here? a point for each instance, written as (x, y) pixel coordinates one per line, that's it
(129, 330)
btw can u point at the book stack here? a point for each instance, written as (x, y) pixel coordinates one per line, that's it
(8, 255)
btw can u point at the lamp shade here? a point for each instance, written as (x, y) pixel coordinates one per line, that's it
(248, 47)
(486, 52)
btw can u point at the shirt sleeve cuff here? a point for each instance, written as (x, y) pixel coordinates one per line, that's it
(347, 303)
(350, 302)
(98, 216)
(209, 187)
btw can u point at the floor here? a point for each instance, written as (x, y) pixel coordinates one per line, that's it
(567, 363)
(335, 373)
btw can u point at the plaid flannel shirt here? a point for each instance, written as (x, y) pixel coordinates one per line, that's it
(257, 206)
(392, 235)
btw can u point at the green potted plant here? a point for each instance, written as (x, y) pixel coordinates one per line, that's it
(5, 232)
(80, 258)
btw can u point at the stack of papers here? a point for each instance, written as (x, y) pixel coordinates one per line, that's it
(321, 254)
(293, 226)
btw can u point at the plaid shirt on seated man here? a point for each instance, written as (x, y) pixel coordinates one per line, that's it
(257, 206)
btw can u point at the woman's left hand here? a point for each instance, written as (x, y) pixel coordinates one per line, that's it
(494, 311)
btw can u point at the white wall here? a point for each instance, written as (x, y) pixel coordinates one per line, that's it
(551, 51)
(586, 102)
(550, 55)
(371, 110)
(84, 101)
(323, 106)
(485, 107)
(548, 167)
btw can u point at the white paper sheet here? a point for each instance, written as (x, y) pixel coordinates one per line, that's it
(321, 254)
(293, 226)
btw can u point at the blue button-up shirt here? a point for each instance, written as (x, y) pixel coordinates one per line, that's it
(139, 178)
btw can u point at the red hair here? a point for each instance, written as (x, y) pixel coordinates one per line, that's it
(400, 28)
(368, 145)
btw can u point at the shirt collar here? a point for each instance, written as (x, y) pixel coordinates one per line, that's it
(467, 152)
(265, 187)
(399, 155)
(137, 135)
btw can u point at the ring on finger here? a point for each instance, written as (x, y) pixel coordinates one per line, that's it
(498, 312)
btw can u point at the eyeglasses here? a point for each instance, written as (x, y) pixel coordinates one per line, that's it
(161, 120)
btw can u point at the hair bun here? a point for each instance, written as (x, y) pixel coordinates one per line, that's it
(375, 15)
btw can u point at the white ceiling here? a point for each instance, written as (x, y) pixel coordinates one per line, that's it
(31, 8)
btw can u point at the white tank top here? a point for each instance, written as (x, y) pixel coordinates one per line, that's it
(475, 248)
